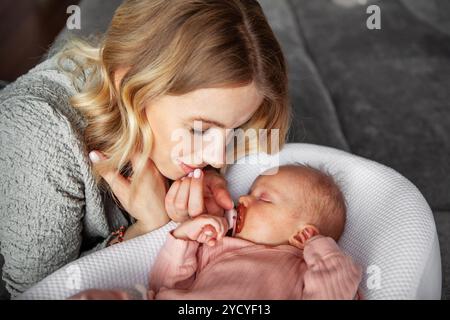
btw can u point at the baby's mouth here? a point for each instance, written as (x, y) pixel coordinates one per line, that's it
(240, 217)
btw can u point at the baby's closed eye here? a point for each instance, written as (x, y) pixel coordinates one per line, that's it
(262, 196)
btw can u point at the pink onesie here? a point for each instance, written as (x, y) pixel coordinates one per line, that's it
(240, 269)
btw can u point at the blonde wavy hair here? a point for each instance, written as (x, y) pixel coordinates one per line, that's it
(172, 47)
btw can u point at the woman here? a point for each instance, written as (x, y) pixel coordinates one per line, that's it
(161, 66)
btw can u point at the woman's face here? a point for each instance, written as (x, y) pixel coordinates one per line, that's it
(191, 131)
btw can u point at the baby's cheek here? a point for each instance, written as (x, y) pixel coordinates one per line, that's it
(263, 227)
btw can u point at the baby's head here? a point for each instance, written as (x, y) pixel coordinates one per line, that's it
(279, 206)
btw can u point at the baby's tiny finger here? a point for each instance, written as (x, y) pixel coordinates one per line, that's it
(217, 227)
(202, 238)
(209, 231)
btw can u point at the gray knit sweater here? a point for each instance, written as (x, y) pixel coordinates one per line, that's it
(51, 211)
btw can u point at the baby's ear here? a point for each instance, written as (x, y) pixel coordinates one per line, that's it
(302, 235)
(296, 240)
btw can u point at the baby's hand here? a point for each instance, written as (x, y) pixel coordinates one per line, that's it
(205, 229)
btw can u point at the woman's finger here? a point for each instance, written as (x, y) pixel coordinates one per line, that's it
(196, 206)
(218, 186)
(211, 206)
(149, 173)
(182, 197)
(222, 196)
(170, 201)
(119, 184)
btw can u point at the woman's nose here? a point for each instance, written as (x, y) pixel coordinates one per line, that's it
(217, 151)
(214, 155)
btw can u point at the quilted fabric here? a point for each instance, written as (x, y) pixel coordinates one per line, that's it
(390, 231)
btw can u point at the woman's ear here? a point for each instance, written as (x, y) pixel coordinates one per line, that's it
(302, 235)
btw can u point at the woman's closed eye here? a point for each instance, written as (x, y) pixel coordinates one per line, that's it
(198, 132)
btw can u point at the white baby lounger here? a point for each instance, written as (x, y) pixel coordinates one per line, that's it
(390, 231)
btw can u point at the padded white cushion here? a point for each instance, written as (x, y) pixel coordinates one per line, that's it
(390, 231)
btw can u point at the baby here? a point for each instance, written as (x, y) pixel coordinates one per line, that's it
(283, 246)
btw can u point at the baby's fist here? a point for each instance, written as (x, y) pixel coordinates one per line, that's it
(205, 229)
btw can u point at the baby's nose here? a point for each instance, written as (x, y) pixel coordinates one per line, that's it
(246, 200)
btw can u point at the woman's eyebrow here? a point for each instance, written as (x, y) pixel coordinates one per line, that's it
(210, 121)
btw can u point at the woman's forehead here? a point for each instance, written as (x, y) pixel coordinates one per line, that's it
(229, 106)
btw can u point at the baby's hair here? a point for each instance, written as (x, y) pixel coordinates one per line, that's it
(325, 203)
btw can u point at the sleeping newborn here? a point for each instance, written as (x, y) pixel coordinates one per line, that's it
(283, 246)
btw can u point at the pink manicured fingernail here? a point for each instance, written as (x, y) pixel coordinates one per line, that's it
(197, 173)
(209, 233)
(190, 174)
(94, 156)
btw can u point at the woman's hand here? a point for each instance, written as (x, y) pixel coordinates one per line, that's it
(147, 205)
(200, 192)
(204, 229)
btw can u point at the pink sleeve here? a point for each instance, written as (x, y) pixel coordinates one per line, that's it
(99, 294)
(175, 266)
(330, 273)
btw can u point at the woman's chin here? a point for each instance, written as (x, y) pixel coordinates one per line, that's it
(173, 173)
(168, 172)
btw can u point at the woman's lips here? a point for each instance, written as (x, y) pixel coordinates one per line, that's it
(186, 169)
(240, 217)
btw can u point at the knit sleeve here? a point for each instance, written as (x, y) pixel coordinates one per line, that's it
(175, 266)
(41, 193)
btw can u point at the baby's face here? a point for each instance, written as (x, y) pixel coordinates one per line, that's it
(269, 213)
